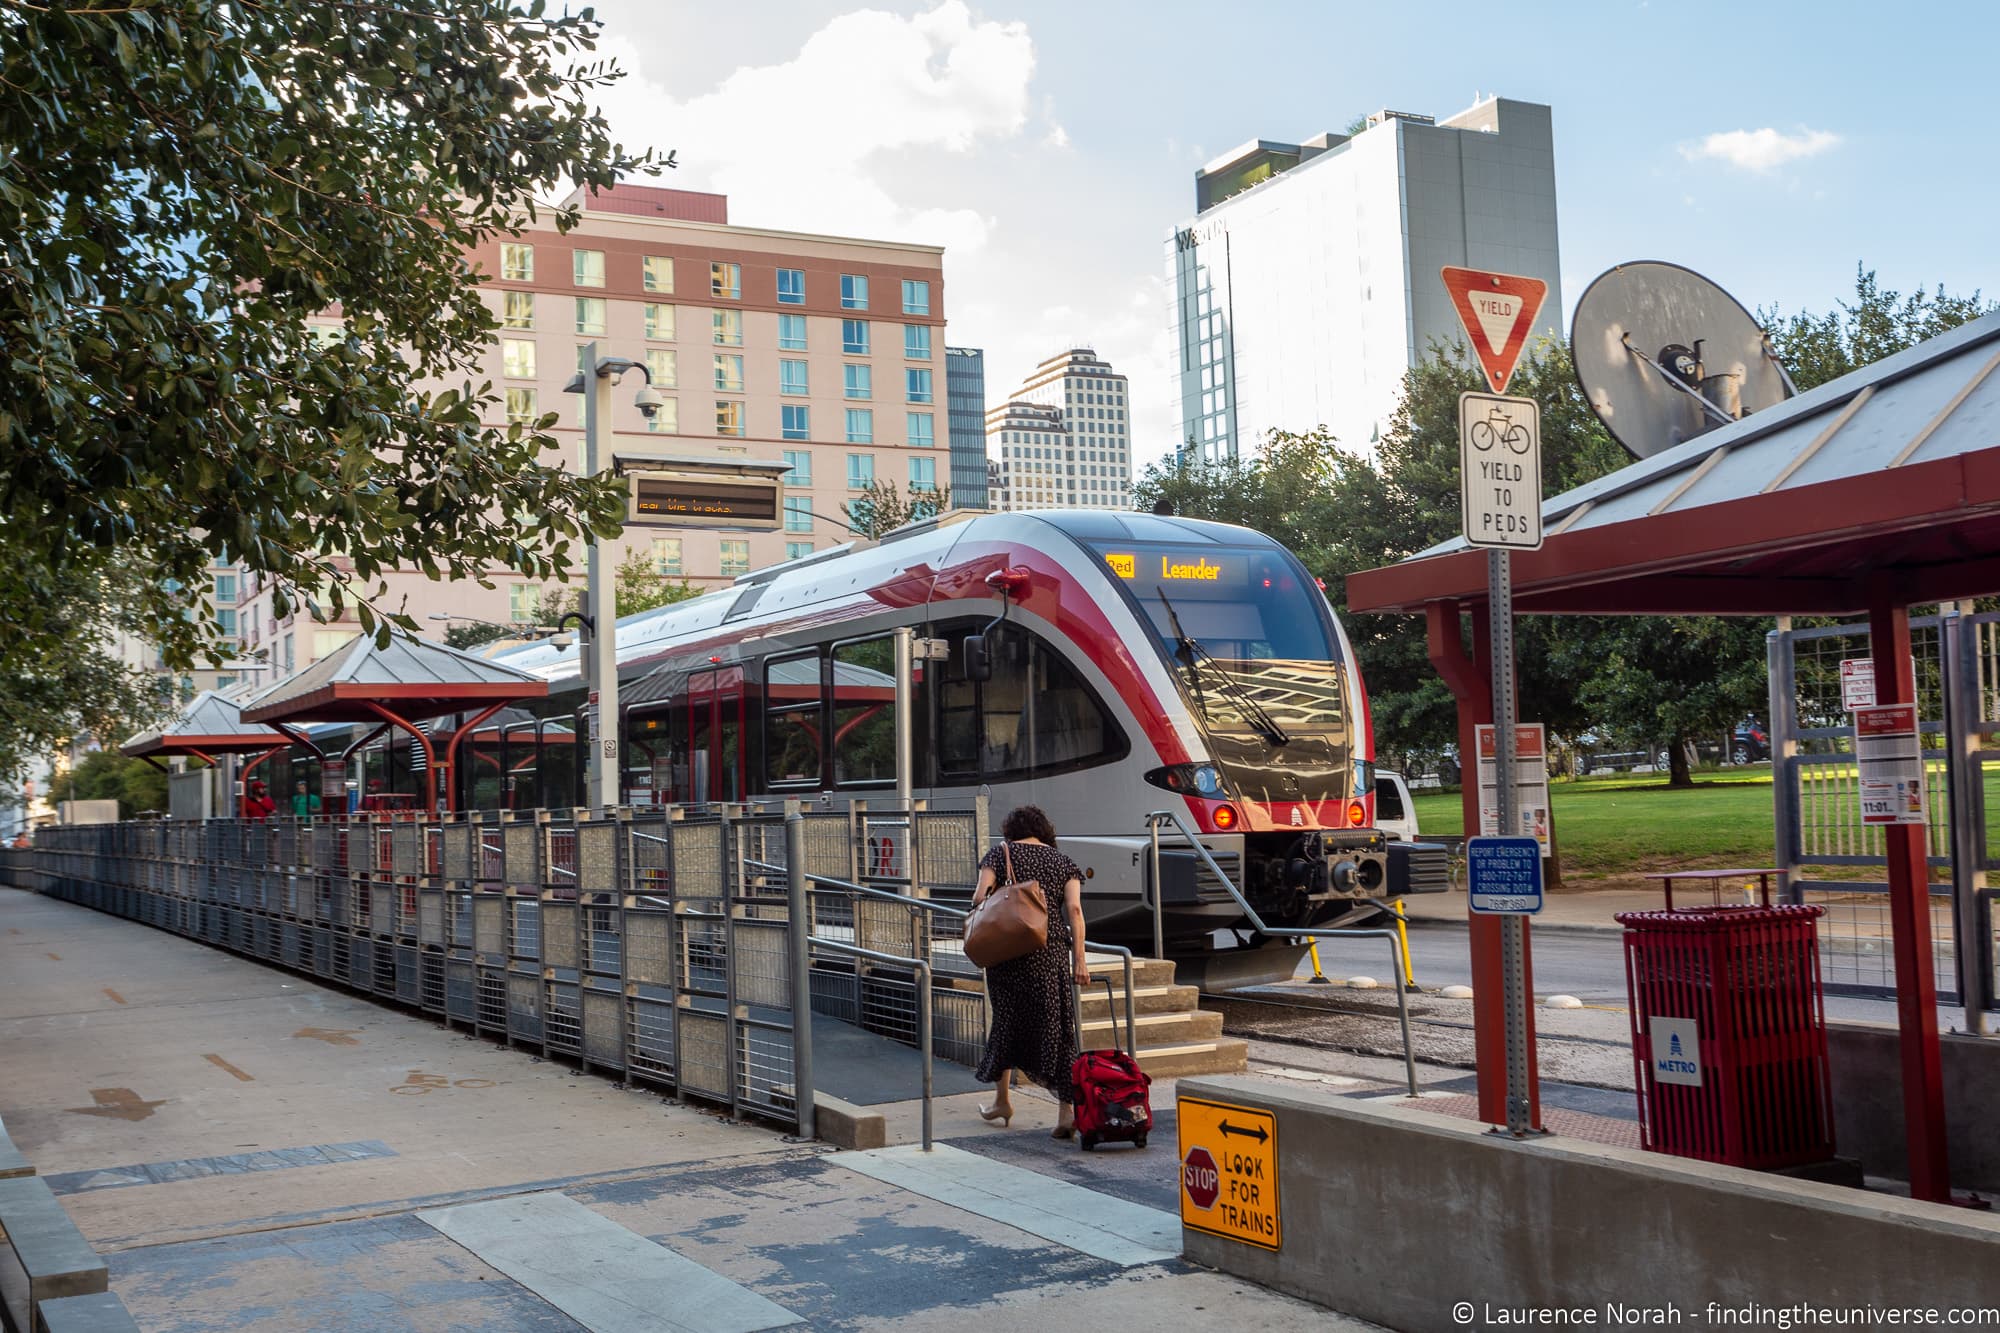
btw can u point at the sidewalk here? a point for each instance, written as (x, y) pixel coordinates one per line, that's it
(1595, 910)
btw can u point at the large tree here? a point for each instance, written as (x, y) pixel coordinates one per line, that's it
(186, 188)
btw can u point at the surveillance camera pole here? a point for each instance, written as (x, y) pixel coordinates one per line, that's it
(601, 722)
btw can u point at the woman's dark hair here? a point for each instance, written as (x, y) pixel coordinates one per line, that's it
(1027, 821)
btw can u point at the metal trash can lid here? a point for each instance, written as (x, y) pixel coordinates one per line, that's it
(1724, 917)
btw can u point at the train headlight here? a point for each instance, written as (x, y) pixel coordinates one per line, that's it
(1188, 779)
(1357, 814)
(1224, 817)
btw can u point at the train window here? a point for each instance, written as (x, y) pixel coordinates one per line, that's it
(657, 754)
(864, 711)
(559, 775)
(792, 724)
(1035, 716)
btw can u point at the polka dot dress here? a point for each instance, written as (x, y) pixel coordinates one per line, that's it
(1033, 1025)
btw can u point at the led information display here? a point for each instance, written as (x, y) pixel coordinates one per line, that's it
(666, 499)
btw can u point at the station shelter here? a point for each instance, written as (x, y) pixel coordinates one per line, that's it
(1867, 495)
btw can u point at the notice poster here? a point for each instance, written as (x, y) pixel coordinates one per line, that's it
(1531, 785)
(1892, 764)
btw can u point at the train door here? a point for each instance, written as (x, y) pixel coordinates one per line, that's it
(717, 739)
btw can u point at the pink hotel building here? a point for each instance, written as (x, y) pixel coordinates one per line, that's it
(821, 353)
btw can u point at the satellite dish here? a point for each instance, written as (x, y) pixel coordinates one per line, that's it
(1664, 355)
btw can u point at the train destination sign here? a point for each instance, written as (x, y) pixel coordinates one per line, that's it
(668, 499)
(1229, 1171)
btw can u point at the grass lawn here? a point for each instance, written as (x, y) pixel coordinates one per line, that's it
(1616, 828)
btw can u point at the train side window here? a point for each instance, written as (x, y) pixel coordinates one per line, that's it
(793, 727)
(864, 711)
(1035, 716)
(559, 770)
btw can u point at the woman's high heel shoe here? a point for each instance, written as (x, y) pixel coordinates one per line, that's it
(992, 1113)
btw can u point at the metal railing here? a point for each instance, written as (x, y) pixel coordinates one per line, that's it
(1303, 932)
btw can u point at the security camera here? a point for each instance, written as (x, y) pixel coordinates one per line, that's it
(563, 638)
(648, 401)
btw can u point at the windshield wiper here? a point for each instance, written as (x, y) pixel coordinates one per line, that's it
(1191, 654)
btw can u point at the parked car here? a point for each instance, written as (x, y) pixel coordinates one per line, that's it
(1752, 742)
(1395, 813)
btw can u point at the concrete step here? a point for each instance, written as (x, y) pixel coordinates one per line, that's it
(1225, 1055)
(1145, 971)
(1147, 1000)
(1153, 1030)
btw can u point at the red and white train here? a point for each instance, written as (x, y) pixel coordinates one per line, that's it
(1131, 662)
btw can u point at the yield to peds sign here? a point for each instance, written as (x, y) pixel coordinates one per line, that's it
(1500, 471)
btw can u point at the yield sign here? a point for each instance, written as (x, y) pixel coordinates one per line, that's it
(1498, 311)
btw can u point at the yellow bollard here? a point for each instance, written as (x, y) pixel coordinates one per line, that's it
(1318, 978)
(1403, 942)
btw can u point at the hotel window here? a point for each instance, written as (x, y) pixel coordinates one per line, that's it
(517, 310)
(801, 462)
(589, 267)
(857, 381)
(726, 281)
(666, 555)
(517, 262)
(659, 273)
(923, 429)
(917, 342)
(728, 326)
(735, 556)
(225, 590)
(854, 337)
(923, 474)
(798, 513)
(916, 297)
(860, 425)
(590, 315)
(728, 417)
(860, 469)
(524, 602)
(517, 358)
(919, 383)
(791, 333)
(728, 372)
(666, 418)
(792, 377)
(791, 286)
(663, 364)
(853, 291)
(798, 550)
(795, 421)
(521, 407)
(659, 321)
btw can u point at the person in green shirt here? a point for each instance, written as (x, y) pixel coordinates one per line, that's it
(305, 803)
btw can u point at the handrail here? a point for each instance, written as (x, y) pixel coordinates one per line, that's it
(923, 1009)
(1293, 932)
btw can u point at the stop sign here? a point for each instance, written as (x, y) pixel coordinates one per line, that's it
(1199, 1178)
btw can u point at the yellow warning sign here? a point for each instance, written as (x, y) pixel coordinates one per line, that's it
(1229, 1171)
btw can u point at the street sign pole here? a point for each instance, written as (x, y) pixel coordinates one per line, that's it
(1506, 796)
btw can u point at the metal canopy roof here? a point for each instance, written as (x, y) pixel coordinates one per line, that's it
(1889, 473)
(211, 724)
(415, 677)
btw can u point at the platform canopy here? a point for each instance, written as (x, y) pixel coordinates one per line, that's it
(1890, 474)
(411, 677)
(212, 724)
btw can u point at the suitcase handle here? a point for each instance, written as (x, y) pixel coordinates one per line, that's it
(1111, 1012)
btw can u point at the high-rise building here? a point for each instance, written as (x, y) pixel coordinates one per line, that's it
(821, 355)
(1064, 438)
(1307, 284)
(965, 390)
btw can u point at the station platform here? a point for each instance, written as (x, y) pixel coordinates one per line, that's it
(249, 1149)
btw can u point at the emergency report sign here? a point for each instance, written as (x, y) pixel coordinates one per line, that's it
(1891, 762)
(1229, 1171)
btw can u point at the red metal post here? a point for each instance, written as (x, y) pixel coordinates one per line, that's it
(1910, 926)
(1469, 679)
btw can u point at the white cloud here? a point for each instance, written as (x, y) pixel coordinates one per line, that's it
(1760, 150)
(812, 144)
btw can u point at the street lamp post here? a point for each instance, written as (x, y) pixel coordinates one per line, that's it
(600, 622)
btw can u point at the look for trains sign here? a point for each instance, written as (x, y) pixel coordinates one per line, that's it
(1229, 1171)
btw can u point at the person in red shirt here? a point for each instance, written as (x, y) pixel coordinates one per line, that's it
(257, 802)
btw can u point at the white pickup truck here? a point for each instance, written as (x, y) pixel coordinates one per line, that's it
(1395, 814)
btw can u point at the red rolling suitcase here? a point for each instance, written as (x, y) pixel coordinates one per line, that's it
(1113, 1104)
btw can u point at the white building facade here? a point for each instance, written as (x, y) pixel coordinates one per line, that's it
(1307, 284)
(1064, 438)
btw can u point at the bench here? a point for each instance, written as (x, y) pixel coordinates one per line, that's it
(44, 1256)
(101, 1312)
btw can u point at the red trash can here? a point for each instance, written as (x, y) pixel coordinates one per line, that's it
(1729, 1034)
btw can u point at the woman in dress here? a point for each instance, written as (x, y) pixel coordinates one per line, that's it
(1029, 996)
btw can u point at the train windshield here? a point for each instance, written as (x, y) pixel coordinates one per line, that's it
(1246, 627)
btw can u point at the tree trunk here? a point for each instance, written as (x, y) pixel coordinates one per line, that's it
(1677, 763)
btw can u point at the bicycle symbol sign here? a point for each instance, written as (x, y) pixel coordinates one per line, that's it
(1500, 457)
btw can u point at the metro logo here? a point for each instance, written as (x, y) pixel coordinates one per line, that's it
(1124, 565)
(1199, 572)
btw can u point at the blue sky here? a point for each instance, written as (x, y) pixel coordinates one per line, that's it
(1051, 146)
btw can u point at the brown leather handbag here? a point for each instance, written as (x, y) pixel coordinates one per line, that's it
(1010, 922)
